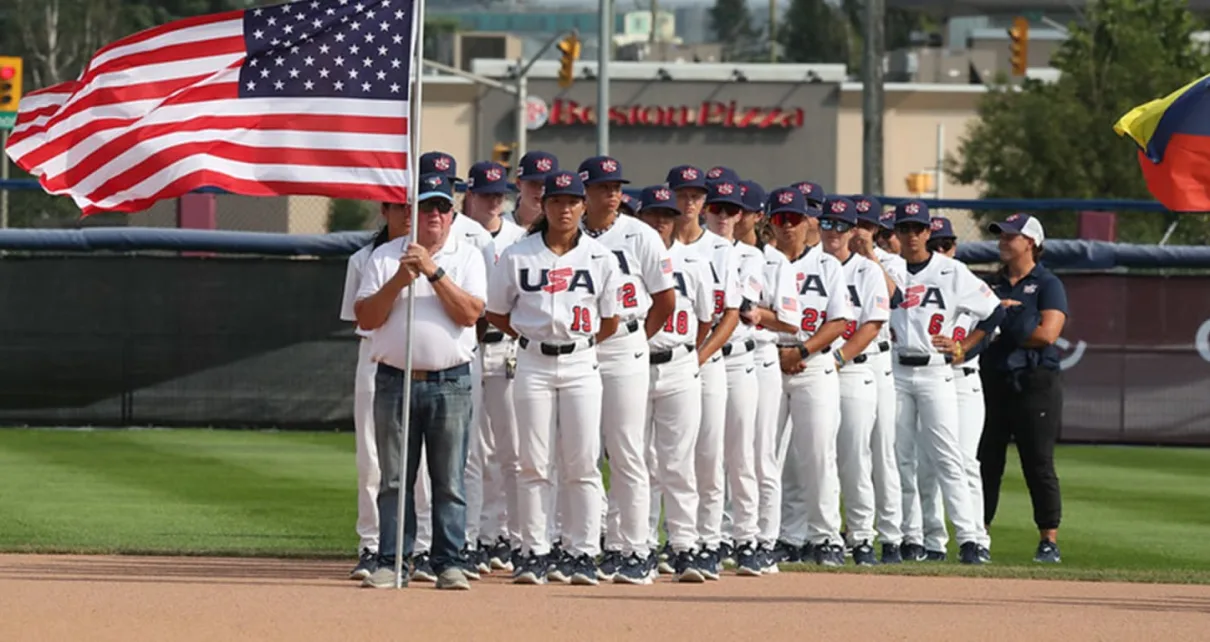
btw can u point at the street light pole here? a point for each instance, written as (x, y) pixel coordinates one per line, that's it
(604, 53)
(522, 115)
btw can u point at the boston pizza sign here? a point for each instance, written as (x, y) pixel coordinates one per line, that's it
(727, 115)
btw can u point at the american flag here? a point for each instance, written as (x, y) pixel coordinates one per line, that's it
(309, 97)
(666, 265)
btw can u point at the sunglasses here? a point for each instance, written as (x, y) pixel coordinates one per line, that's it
(940, 245)
(723, 209)
(883, 235)
(787, 218)
(830, 225)
(911, 228)
(441, 205)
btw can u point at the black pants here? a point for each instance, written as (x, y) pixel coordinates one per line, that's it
(1026, 407)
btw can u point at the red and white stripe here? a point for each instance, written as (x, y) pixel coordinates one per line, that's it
(158, 114)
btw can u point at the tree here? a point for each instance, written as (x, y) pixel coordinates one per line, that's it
(1056, 140)
(345, 215)
(815, 31)
(732, 24)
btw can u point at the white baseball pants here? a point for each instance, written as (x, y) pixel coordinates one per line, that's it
(928, 417)
(368, 473)
(768, 472)
(674, 411)
(971, 413)
(475, 456)
(625, 373)
(888, 496)
(739, 455)
(792, 518)
(858, 410)
(812, 403)
(708, 454)
(558, 405)
(499, 425)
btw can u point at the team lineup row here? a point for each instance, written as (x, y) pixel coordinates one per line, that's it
(743, 377)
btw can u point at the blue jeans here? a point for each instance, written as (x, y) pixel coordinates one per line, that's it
(440, 423)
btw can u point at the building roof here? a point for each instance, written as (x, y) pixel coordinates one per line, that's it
(699, 71)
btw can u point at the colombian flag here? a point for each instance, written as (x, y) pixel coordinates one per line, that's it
(1173, 135)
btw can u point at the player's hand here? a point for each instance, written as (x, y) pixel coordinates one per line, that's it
(946, 345)
(861, 245)
(1008, 303)
(750, 316)
(419, 260)
(791, 362)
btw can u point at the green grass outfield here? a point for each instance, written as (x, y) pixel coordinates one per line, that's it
(1134, 514)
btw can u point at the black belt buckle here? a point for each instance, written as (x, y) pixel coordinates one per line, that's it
(884, 346)
(749, 345)
(664, 356)
(632, 326)
(555, 349)
(969, 371)
(861, 358)
(914, 360)
(492, 337)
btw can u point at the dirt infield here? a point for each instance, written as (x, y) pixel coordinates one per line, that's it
(180, 599)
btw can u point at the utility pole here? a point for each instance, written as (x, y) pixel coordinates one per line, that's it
(773, 30)
(604, 53)
(872, 102)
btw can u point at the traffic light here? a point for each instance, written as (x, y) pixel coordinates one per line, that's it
(570, 46)
(1019, 47)
(502, 153)
(10, 83)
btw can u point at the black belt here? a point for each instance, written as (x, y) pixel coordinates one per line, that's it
(883, 346)
(492, 336)
(749, 344)
(449, 374)
(664, 356)
(861, 358)
(969, 371)
(920, 359)
(557, 349)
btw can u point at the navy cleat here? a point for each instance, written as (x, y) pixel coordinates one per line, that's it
(500, 555)
(560, 570)
(708, 563)
(863, 554)
(482, 556)
(768, 559)
(913, 552)
(985, 554)
(366, 565)
(891, 554)
(968, 553)
(807, 552)
(747, 561)
(784, 551)
(667, 560)
(1047, 553)
(422, 568)
(934, 556)
(685, 568)
(726, 553)
(611, 561)
(584, 571)
(633, 570)
(828, 554)
(530, 570)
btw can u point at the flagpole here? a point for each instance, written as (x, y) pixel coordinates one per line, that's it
(416, 69)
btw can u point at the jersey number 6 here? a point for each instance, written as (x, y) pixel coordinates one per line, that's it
(812, 319)
(581, 319)
(935, 324)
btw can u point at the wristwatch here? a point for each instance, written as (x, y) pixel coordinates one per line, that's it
(437, 276)
(803, 352)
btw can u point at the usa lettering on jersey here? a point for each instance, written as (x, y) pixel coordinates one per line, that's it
(564, 279)
(923, 296)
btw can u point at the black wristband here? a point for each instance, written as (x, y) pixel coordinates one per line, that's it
(437, 276)
(803, 352)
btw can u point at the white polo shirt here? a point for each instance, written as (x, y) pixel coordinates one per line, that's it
(353, 272)
(439, 342)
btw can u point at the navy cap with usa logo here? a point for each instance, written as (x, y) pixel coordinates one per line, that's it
(686, 176)
(659, 197)
(536, 165)
(787, 200)
(912, 212)
(753, 195)
(721, 173)
(563, 183)
(724, 192)
(601, 169)
(439, 163)
(869, 209)
(487, 177)
(435, 185)
(1023, 224)
(839, 208)
(628, 203)
(941, 228)
(887, 220)
(814, 194)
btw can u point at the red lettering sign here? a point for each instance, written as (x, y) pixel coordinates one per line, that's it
(729, 115)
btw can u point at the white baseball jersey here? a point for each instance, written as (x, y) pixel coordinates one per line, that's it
(694, 299)
(724, 258)
(508, 234)
(932, 300)
(822, 293)
(896, 267)
(353, 274)
(643, 262)
(867, 295)
(470, 231)
(779, 293)
(752, 277)
(551, 298)
(963, 326)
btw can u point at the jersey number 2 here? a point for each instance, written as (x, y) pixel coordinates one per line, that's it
(812, 319)
(581, 319)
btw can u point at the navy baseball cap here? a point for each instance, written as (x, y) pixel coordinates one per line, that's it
(1021, 223)
(435, 185)
(439, 163)
(887, 220)
(912, 212)
(941, 228)
(788, 200)
(683, 176)
(753, 195)
(487, 177)
(629, 203)
(839, 208)
(601, 169)
(536, 165)
(563, 182)
(720, 173)
(658, 196)
(724, 192)
(814, 194)
(869, 209)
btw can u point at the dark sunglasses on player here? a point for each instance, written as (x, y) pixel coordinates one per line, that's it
(910, 228)
(723, 209)
(440, 204)
(786, 218)
(830, 225)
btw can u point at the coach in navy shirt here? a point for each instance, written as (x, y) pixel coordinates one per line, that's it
(1022, 381)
